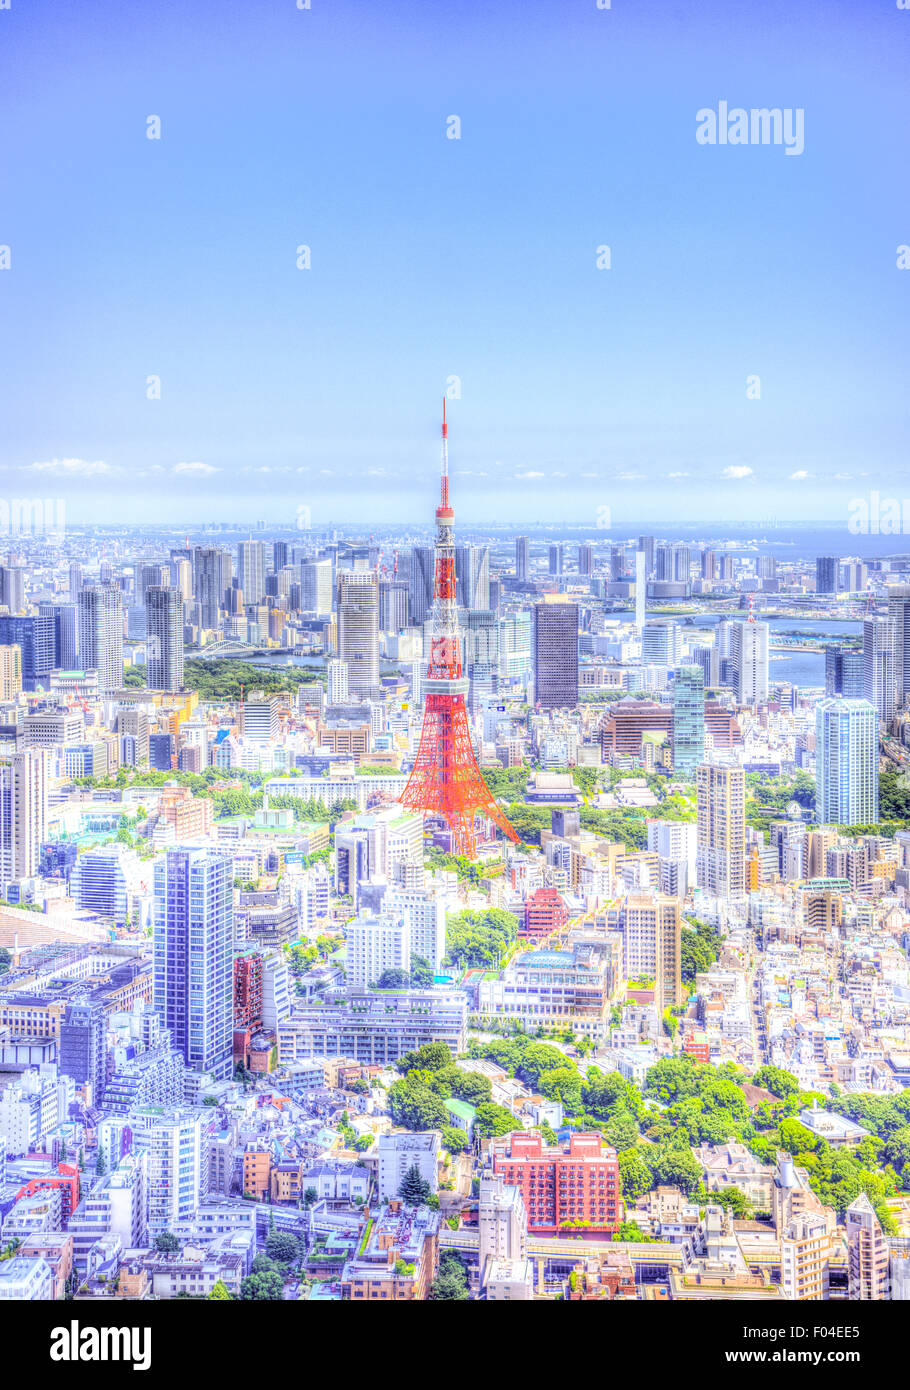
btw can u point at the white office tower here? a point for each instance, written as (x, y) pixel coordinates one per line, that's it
(675, 844)
(193, 956)
(23, 814)
(424, 911)
(251, 567)
(846, 755)
(101, 634)
(176, 1175)
(358, 629)
(750, 661)
(276, 998)
(337, 682)
(502, 1220)
(164, 638)
(375, 944)
(662, 644)
(641, 586)
(259, 719)
(316, 587)
(882, 665)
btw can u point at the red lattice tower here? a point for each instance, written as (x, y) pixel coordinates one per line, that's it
(445, 779)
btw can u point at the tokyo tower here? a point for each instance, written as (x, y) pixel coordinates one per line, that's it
(445, 779)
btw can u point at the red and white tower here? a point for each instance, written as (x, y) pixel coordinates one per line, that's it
(445, 779)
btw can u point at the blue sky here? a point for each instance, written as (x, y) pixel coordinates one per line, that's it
(435, 258)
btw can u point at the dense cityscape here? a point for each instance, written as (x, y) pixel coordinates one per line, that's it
(488, 919)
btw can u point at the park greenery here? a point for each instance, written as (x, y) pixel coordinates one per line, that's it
(479, 939)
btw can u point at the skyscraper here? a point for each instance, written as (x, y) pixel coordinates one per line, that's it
(846, 752)
(101, 634)
(522, 557)
(750, 662)
(646, 543)
(35, 638)
(23, 815)
(556, 559)
(827, 569)
(251, 570)
(554, 647)
(845, 672)
(867, 1252)
(358, 629)
(10, 672)
(585, 559)
(421, 583)
(721, 850)
(208, 584)
(316, 586)
(472, 576)
(193, 955)
(688, 720)
(899, 612)
(641, 590)
(279, 555)
(882, 663)
(164, 640)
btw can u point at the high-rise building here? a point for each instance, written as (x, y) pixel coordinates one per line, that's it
(882, 665)
(374, 945)
(688, 720)
(750, 662)
(721, 852)
(66, 633)
(472, 576)
(279, 555)
(101, 634)
(617, 563)
(393, 605)
(193, 955)
(23, 815)
(867, 1252)
(709, 566)
(316, 587)
(646, 543)
(75, 581)
(259, 718)
(358, 629)
(846, 752)
(337, 682)
(423, 559)
(164, 638)
(899, 613)
(585, 559)
(555, 655)
(673, 563)
(641, 590)
(827, 574)
(845, 672)
(83, 1054)
(555, 559)
(12, 588)
(577, 1182)
(208, 584)
(522, 557)
(34, 636)
(10, 672)
(651, 928)
(251, 567)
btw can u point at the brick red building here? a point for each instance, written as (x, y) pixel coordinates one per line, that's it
(545, 912)
(248, 991)
(575, 1183)
(66, 1178)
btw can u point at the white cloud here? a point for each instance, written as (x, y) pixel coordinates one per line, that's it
(800, 475)
(677, 475)
(194, 470)
(843, 477)
(589, 475)
(75, 468)
(631, 477)
(529, 475)
(738, 470)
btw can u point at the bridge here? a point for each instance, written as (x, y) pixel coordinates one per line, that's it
(227, 646)
(555, 1256)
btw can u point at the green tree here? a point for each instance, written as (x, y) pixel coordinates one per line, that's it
(167, 1244)
(5, 960)
(310, 1196)
(635, 1175)
(100, 1163)
(283, 1247)
(414, 1106)
(393, 978)
(779, 1082)
(265, 1287)
(493, 1119)
(455, 1140)
(219, 1291)
(451, 1283)
(414, 1188)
